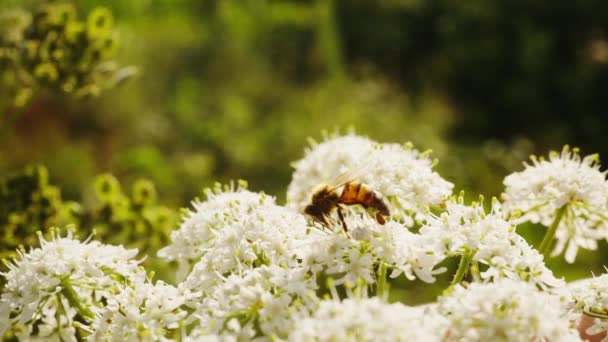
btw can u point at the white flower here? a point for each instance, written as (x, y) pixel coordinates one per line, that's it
(567, 182)
(590, 297)
(358, 266)
(261, 298)
(352, 260)
(234, 230)
(506, 310)
(139, 312)
(489, 239)
(462, 228)
(404, 252)
(367, 320)
(520, 261)
(400, 173)
(48, 286)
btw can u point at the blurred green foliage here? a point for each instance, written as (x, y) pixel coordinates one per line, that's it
(28, 203)
(485, 76)
(50, 48)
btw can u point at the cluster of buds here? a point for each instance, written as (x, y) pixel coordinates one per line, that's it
(53, 49)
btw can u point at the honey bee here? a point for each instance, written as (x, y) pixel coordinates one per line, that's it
(327, 199)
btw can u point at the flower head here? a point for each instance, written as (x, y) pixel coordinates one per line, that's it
(489, 238)
(563, 182)
(400, 173)
(355, 259)
(140, 311)
(506, 310)
(233, 230)
(367, 320)
(48, 286)
(257, 301)
(590, 297)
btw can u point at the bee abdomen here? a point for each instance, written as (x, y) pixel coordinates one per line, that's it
(381, 206)
(350, 193)
(358, 193)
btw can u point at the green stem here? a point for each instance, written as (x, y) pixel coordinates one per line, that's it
(72, 297)
(548, 238)
(463, 267)
(475, 270)
(381, 285)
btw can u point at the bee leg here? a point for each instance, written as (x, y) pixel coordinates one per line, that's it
(341, 216)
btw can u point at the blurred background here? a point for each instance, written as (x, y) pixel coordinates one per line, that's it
(232, 89)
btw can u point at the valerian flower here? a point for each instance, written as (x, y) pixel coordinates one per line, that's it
(367, 319)
(567, 191)
(400, 173)
(506, 310)
(486, 238)
(233, 230)
(50, 287)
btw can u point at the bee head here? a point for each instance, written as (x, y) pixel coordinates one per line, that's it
(316, 213)
(312, 210)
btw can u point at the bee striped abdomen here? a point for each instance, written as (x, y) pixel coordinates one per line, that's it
(350, 193)
(357, 193)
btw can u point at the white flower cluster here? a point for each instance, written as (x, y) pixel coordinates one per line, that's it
(249, 269)
(256, 259)
(487, 238)
(368, 319)
(563, 182)
(506, 310)
(66, 282)
(65, 266)
(590, 297)
(520, 261)
(233, 230)
(354, 259)
(400, 173)
(141, 312)
(263, 298)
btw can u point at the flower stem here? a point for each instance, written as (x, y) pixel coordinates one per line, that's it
(463, 267)
(381, 284)
(548, 238)
(70, 294)
(475, 271)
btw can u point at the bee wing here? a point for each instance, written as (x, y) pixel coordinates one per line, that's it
(351, 175)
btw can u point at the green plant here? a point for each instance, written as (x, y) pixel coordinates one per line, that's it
(52, 48)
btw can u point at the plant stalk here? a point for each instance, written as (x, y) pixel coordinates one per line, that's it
(381, 284)
(474, 269)
(463, 267)
(548, 238)
(70, 294)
